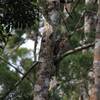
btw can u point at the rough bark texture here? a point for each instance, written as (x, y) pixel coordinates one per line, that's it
(46, 67)
(88, 27)
(89, 20)
(97, 57)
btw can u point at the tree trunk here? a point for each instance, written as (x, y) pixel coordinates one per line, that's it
(97, 57)
(88, 20)
(46, 66)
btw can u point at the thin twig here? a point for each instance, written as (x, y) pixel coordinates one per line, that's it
(19, 82)
(15, 67)
(78, 1)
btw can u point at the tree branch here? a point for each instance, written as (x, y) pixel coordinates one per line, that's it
(86, 46)
(19, 82)
(15, 67)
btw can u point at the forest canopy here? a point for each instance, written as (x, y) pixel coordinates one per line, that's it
(49, 49)
(18, 13)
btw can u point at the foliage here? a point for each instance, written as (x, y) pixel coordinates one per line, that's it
(73, 69)
(23, 14)
(18, 13)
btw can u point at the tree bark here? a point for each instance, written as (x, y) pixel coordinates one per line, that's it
(89, 20)
(97, 57)
(89, 26)
(46, 67)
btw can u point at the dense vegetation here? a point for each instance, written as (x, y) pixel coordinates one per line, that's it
(19, 18)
